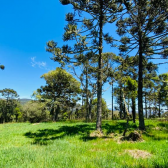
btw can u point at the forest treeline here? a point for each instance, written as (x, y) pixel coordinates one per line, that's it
(58, 101)
(138, 30)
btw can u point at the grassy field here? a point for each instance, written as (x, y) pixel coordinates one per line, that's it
(69, 145)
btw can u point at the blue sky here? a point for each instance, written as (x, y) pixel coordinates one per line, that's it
(25, 27)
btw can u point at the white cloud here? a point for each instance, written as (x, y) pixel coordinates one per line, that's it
(39, 64)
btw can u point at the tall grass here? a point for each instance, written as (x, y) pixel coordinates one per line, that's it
(68, 144)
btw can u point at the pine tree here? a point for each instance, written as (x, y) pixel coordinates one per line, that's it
(88, 35)
(145, 29)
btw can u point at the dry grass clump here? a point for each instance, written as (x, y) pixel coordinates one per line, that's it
(138, 154)
(35, 123)
(96, 134)
(133, 136)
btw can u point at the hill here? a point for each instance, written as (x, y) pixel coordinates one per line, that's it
(24, 101)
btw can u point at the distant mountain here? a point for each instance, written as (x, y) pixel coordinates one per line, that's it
(24, 101)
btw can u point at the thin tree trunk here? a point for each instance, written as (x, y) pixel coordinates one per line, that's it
(159, 104)
(140, 74)
(82, 99)
(121, 103)
(90, 109)
(150, 109)
(87, 97)
(124, 111)
(54, 114)
(133, 109)
(57, 112)
(125, 104)
(128, 103)
(146, 107)
(99, 82)
(112, 117)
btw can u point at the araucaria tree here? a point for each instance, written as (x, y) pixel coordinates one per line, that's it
(144, 29)
(85, 28)
(2, 67)
(61, 90)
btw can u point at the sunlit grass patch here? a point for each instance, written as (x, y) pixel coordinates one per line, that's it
(69, 144)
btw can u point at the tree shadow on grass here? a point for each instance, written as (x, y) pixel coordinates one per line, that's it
(164, 125)
(157, 137)
(119, 127)
(46, 136)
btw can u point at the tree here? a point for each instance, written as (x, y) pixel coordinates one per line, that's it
(150, 87)
(161, 83)
(90, 29)
(2, 67)
(2, 110)
(145, 28)
(88, 85)
(132, 88)
(61, 89)
(9, 94)
(9, 104)
(88, 78)
(105, 109)
(35, 111)
(126, 70)
(17, 113)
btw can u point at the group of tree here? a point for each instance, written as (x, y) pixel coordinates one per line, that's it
(9, 106)
(142, 25)
(154, 91)
(142, 29)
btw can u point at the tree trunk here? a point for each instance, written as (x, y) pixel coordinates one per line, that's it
(159, 104)
(140, 74)
(90, 109)
(87, 97)
(146, 107)
(54, 114)
(57, 112)
(121, 103)
(128, 103)
(133, 109)
(82, 99)
(126, 113)
(99, 82)
(150, 109)
(17, 117)
(112, 104)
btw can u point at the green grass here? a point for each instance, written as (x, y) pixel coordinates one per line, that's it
(68, 145)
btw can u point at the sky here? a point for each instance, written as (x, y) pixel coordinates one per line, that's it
(25, 28)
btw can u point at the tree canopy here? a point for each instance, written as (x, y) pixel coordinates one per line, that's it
(61, 90)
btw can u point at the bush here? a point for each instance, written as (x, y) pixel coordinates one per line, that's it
(35, 111)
